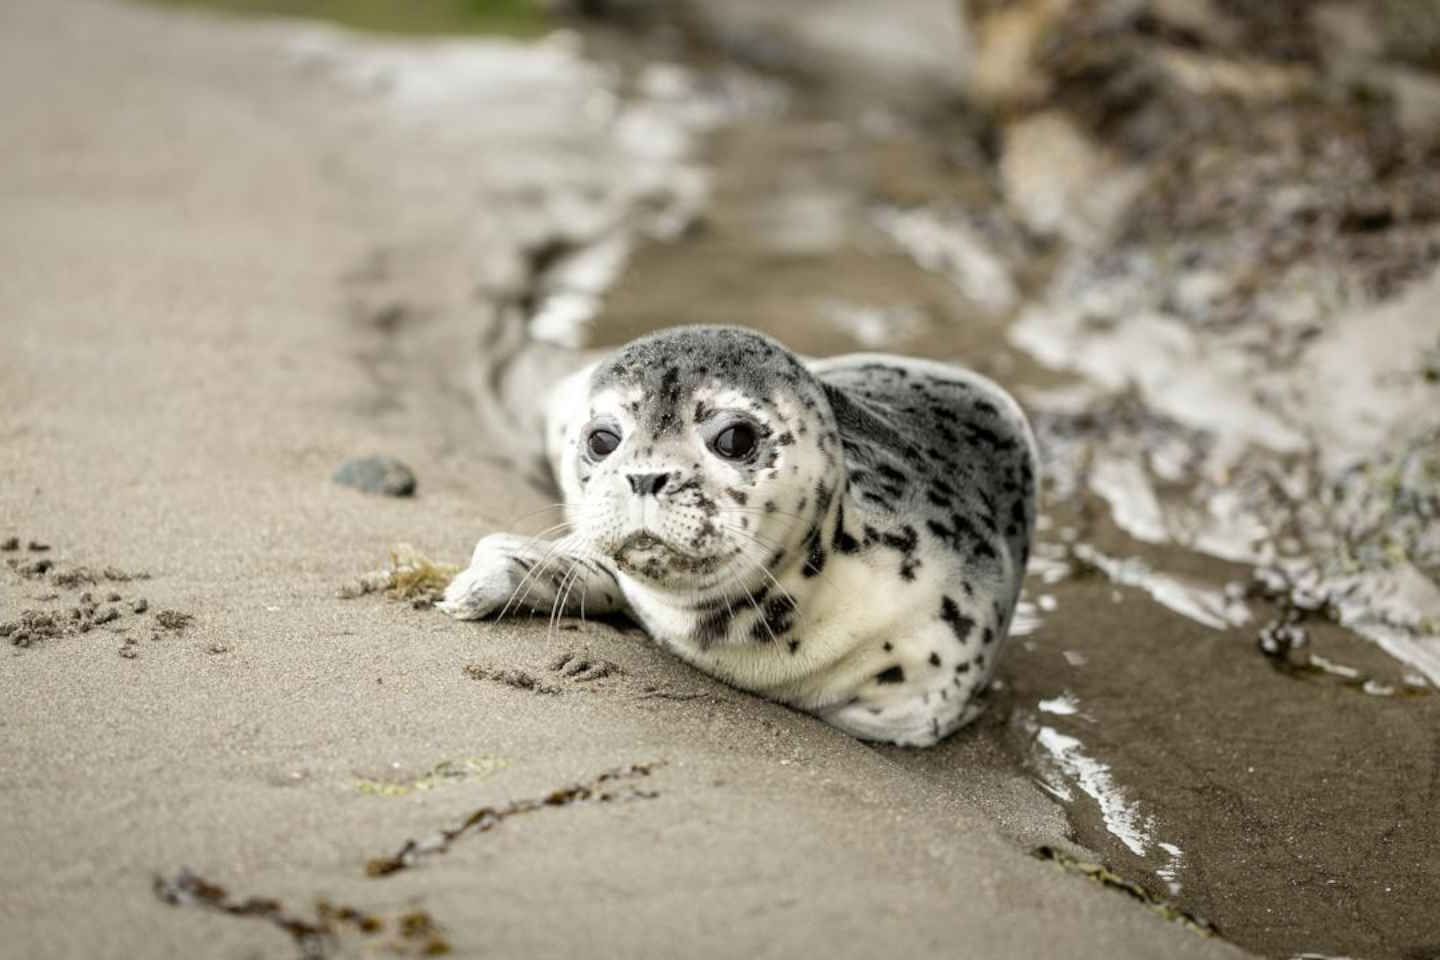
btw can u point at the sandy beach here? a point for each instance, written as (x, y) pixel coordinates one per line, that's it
(238, 254)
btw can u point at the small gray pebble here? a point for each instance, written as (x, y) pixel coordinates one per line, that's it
(139, 604)
(384, 475)
(11, 543)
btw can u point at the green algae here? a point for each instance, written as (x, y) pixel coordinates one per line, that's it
(521, 18)
(411, 576)
(444, 773)
(1100, 874)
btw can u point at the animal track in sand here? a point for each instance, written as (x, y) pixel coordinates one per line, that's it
(583, 668)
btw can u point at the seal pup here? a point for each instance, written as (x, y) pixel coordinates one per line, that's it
(846, 536)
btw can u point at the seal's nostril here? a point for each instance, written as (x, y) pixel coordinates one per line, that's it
(651, 483)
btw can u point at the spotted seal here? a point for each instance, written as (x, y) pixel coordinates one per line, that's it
(846, 536)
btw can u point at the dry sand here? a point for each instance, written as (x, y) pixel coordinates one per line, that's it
(180, 376)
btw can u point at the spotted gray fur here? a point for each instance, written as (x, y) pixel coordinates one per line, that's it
(861, 562)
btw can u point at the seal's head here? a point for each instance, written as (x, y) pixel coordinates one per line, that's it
(706, 456)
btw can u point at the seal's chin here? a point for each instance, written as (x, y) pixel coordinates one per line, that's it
(643, 554)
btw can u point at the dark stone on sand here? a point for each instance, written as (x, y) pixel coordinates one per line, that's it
(383, 475)
(11, 543)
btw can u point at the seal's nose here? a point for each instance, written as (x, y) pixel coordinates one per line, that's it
(651, 483)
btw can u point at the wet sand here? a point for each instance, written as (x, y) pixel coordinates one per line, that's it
(188, 210)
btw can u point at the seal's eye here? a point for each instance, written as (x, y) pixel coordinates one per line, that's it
(734, 443)
(602, 442)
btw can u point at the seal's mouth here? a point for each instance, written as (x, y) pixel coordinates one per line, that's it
(646, 554)
(643, 541)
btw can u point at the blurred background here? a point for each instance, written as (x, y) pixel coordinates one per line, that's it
(1200, 241)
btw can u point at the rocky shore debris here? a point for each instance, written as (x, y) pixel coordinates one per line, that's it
(381, 475)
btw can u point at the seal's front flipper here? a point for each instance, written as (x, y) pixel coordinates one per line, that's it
(509, 573)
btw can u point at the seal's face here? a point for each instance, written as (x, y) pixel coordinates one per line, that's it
(704, 458)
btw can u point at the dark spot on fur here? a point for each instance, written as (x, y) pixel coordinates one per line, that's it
(978, 435)
(711, 627)
(890, 473)
(823, 496)
(905, 540)
(934, 659)
(777, 616)
(815, 559)
(960, 624)
(842, 541)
